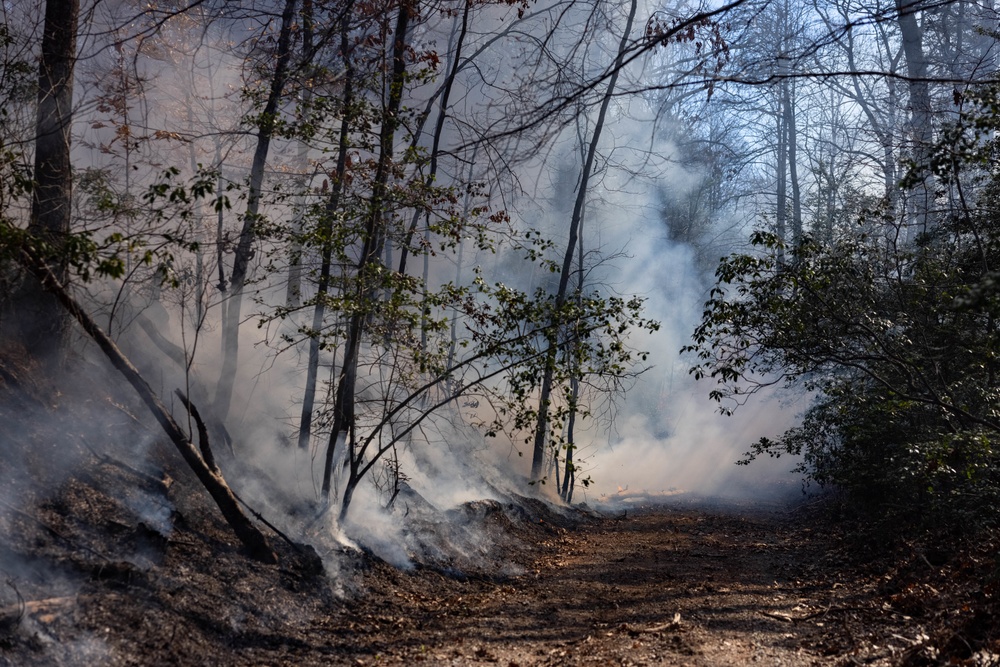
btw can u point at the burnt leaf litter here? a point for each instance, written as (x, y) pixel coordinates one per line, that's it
(113, 555)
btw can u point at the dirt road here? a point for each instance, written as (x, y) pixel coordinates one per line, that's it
(666, 586)
(663, 587)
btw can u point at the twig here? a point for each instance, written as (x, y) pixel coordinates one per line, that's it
(674, 624)
(781, 617)
(808, 617)
(110, 460)
(260, 517)
(12, 616)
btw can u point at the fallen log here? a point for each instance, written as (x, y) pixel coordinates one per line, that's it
(251, 537)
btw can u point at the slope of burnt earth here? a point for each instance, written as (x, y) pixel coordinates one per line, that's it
(112, 554)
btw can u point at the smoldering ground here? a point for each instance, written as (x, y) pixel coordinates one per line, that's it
(655, 428)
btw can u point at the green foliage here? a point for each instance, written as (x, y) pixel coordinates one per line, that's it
(899, 346)
(91, 254)
(591, 332)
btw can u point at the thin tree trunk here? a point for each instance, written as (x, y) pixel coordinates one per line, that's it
(569, 479)
(293, 290)
(343, 407)
(921, 128)
(781, 194)
(793, 168)
(438, 129)
(244, 248)
(326, 231)
(545, 395)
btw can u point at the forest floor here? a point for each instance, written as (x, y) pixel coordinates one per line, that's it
(111, 558)
(685, 584)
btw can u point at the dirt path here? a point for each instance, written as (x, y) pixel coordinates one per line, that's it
(670, 586)
(667, 587)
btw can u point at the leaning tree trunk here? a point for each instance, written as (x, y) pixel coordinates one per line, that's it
(214, 483)
(545, 395)
(39, 320)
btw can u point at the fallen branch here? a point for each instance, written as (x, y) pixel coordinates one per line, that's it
(251, 537)
(31, 607)
(152, 480)
(633, 631)
(788, 618)
(781, 617)
(674, 624)
(203, 443)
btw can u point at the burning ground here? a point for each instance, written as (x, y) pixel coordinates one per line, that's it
(114, 558)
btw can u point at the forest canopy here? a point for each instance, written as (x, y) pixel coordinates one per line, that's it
(374, 245)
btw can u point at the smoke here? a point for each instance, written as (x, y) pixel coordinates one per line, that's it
(663, 435)
(666, 435)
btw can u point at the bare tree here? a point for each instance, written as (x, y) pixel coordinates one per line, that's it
(545, 395)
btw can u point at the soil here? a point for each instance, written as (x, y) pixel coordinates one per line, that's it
(659, 585)
(112, 560)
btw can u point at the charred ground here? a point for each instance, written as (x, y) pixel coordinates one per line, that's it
(112, 558)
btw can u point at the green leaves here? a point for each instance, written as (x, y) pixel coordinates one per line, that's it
(899, 345)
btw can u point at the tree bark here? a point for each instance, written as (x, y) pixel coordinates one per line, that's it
(41, 324)
(793, 167)
(244, 247)
(781, 193)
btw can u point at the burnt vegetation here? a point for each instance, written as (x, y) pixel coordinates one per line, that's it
(319, 317)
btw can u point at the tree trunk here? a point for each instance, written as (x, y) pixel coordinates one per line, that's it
(793, 168)
(41, 324)
(343, 407)
(781, 193)
(293, 291)
(545, 395)
(326, 260)
(921, 127)
(438, 129)
(244, 247)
